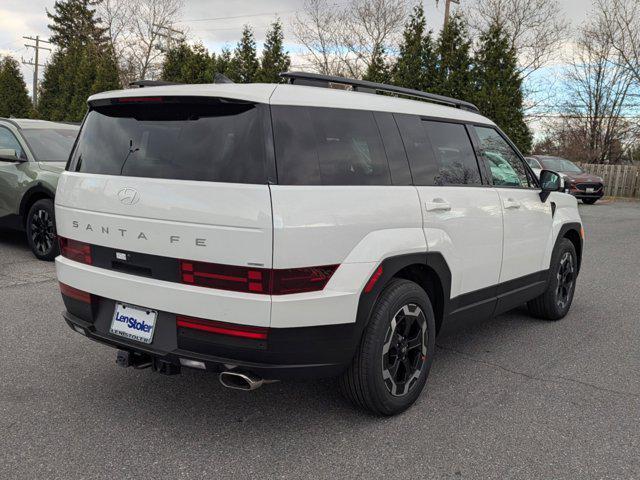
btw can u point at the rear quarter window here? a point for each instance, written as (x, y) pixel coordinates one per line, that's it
(216, 142)
(326, 146)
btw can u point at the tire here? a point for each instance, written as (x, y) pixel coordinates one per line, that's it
(368, 381)
(555, 302)
(589, 201)
(41, 230)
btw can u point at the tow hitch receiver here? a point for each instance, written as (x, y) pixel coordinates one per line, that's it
(165, 368)
(136, 360)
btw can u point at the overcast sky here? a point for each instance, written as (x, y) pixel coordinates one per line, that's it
(20, 18)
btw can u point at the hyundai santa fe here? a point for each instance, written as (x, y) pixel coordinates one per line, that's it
(269, 232)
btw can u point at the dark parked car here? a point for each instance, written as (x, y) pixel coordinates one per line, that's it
(585, 186)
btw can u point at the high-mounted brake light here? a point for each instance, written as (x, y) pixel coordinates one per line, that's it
(139, 100)
(221, 328)
(256, 280)
(80, 295)
(75, 250)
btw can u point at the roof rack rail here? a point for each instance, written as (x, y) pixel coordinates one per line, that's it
(11, 121)
(318, 80)
(152, 83)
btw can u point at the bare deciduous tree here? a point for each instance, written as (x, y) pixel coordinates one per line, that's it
(536, 28)
(622, 22)
(371, 25)
(133, 27)
(317, 28)
(342, 40)
(593, 128)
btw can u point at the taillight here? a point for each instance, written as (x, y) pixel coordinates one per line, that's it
(298, 280)
(221, 328)
(75, 250)
(225, 277)
(256, 280)
(81, 295)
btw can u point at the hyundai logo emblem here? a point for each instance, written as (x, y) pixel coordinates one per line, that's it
(128, 196)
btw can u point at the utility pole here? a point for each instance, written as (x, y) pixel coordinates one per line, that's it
(170, 35)
(37, 47)
(447, 8)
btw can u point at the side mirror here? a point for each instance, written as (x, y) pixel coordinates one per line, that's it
(550, 182)
(9, 155)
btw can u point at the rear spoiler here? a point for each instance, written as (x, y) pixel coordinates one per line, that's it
(218, 78)
(152, 83)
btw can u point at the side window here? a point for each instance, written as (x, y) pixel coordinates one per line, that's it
(419, 152)
(325, 146)
(440, 153)
(507, 169)
(10, 142)
(455, 158)
(396, 155)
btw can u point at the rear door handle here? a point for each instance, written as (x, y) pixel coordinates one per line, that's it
(437, 205)
(510, 203)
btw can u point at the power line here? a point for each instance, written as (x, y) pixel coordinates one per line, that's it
(37, 47)
(579, 117)
(237, 16)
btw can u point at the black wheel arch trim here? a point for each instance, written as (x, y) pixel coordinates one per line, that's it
(37, 190)
(391, 266)
(573, 229)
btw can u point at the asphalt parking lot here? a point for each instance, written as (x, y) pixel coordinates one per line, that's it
(510, 398)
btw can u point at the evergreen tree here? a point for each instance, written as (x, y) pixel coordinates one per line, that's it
(14, 98)
(274, 59)
(453, 61)
(415, 66)
(58, 83)
(173, 61)
(185, 64)
(244, 65)
(222, 63)
(82, 65)
(499, 86)
(378, 70)
(73, 22)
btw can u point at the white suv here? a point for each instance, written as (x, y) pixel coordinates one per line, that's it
(266, 232)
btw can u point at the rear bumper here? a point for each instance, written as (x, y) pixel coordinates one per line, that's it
(289, 353)
(310, 334)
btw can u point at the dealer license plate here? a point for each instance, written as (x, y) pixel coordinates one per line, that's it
(134, 323)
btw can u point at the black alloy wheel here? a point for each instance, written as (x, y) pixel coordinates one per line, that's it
(405, 350)
(566, 280)
(392, 362)
(556, 300)
(41, 230)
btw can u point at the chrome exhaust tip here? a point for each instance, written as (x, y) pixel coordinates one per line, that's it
(240, 380)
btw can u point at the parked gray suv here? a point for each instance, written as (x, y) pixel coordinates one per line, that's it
(32, 155)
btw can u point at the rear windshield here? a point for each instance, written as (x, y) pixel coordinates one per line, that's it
(217, 142)
(50, 144)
